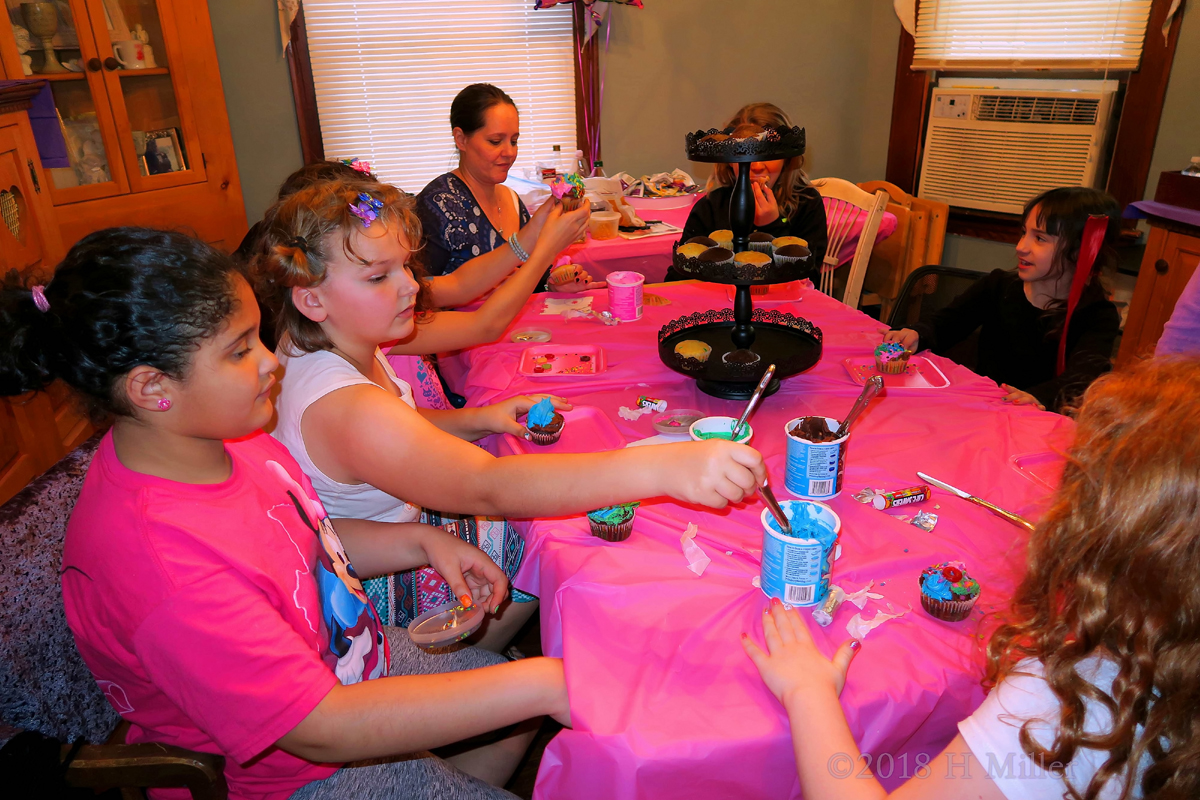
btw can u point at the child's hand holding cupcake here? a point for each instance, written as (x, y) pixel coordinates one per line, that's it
(475, 423)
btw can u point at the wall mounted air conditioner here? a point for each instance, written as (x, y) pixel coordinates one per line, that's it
(993, 144)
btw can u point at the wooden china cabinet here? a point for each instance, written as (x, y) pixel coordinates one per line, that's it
(142, 112)
(38, 428)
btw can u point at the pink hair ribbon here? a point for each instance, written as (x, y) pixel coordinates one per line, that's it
(39, 298)
(1089, 249)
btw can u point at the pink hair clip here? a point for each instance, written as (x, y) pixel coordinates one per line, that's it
(358, 164)
(367, 209)
(39, 298)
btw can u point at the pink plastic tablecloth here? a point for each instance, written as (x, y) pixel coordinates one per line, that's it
(664, 702)
(650, 256)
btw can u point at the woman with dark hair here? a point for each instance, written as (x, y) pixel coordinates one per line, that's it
(469, 218)
(784, 202)
(1020, 314)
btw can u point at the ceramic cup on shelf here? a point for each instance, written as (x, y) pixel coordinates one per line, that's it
(130, 54)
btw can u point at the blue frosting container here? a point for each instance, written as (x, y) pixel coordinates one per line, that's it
(798, 569)
(814, 471)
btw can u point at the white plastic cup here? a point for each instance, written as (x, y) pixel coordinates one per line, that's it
(815, 471)
(722, 424)
(799, 569)
(625, 295)
(604, 224)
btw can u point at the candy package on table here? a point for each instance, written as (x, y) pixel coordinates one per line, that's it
(663, 184)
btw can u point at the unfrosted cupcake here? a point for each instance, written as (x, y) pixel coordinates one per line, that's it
(947, 591)
(693, 353)
(784, 241)
(760, 242)
(891, 358)
(544, 424)
(723, 238)
(790, 254)
(714, 256)
(704, 240)
(752, 264)
(613, 523)
(691, 250)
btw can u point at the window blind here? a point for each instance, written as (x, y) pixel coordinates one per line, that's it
(385, 72)
(1034, 34)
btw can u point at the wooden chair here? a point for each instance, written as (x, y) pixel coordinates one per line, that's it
(44, 684)
(845, 203)
(918, 240)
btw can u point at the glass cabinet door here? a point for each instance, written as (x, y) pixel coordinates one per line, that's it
(55, 43)
(150, 100)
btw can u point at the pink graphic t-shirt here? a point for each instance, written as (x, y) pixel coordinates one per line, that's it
(216, 617)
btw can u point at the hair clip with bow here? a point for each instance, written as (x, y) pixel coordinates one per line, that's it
(357, 164)
(367, 208)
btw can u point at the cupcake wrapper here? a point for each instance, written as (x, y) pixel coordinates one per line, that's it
(761, 247)
(571, 203)
(948, 610)
(544, 438)
(894, 367)
(612, 533)
(787, 261)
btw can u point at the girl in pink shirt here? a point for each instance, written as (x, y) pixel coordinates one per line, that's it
(216, 603)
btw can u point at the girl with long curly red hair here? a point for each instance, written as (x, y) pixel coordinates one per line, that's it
(1096, 670)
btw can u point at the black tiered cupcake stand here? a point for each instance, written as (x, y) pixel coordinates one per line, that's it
(744, 340)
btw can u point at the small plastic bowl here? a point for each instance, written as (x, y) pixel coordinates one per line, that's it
(682, 419)
(719, 424)
(530, 335)
(603, 224)
(444, 625)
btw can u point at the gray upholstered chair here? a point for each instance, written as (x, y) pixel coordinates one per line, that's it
(44, 684)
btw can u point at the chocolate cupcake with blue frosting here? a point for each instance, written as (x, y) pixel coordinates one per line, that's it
(544, 425)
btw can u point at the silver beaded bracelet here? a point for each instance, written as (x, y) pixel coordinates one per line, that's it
(522, 256)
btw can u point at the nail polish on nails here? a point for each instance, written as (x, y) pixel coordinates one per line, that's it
(466, 601)
(856, 645)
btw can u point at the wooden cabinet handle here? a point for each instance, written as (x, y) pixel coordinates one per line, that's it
(111, 63)
(93, 65)
(1161, 266)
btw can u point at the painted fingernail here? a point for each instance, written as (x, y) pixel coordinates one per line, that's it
(466, 601)
(787, 607)
(856, 645)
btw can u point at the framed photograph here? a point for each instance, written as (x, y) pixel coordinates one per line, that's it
(164, 153)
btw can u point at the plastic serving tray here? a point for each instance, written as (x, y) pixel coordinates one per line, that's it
(1044, 469)
(586, 429)
(562, 360)
(919, 374)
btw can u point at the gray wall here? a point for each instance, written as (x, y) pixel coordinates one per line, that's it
(258, 94)
(675, 67)
(680, 65)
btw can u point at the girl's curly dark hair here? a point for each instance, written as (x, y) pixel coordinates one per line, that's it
(122, 297)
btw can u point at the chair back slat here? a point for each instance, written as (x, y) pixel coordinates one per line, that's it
(845, 204)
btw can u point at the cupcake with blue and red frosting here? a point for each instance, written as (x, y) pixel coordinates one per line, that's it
(891, 358)
(948, 592)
